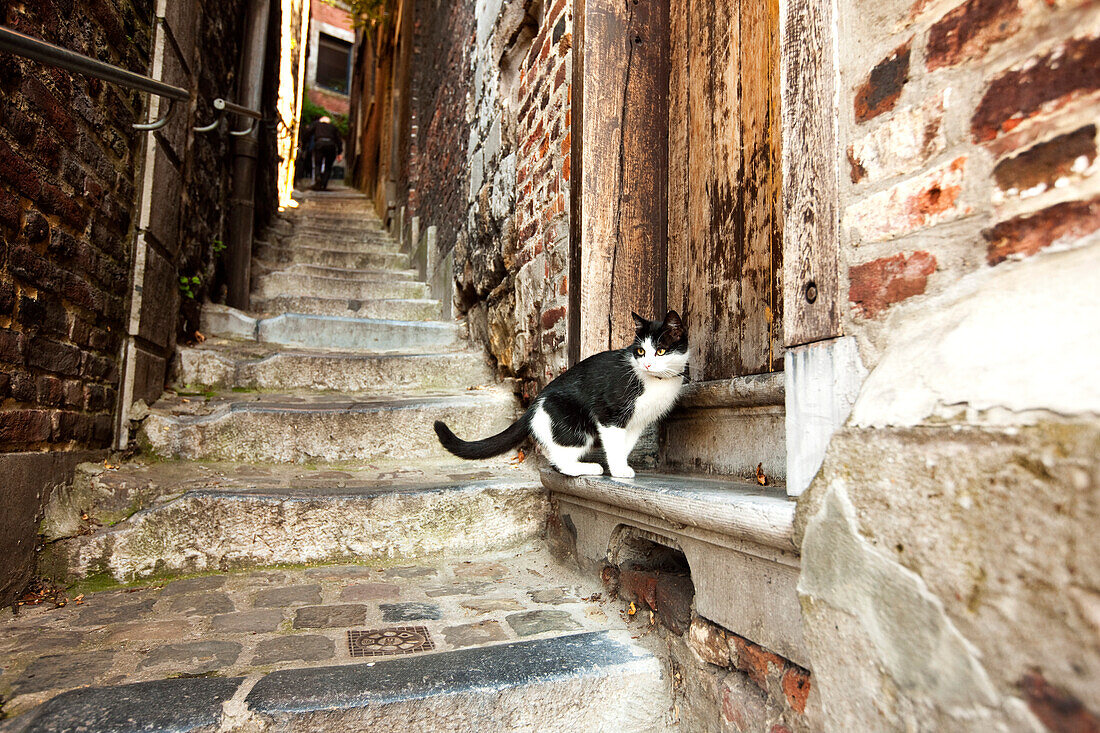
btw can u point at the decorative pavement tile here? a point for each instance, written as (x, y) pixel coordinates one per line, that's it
(293, 595)
(552, 595)
(195, 657)
(482, 632)
(369, 591)
(488, 605)
(537, 622)
(326, 617)
(194, 585)
(388, 642)
(304, 647)
(201, 604)
(409, 612)
(257, 621)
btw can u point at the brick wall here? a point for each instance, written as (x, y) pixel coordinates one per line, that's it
(969, 132)
(68, 190)
(491, 130)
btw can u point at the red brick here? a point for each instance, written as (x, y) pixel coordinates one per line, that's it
(1024, 92)
(877, 284)
(969, 30)
(674, 597)
(53, 356)
(1048, 161)
(640, 586)
(552, 316)
(1027, 234)
(15, 171)
(24, 426)
(880, 92)
(796, 688)
(1058, 710)
(11, 346)
(48, 390)
(755, 661)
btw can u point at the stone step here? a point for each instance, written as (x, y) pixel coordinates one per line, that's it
(594, 681)
(294, 282)
(225, 368)
(368, 274)
(353, 240)
(398, 309)
(332, 332)
(343, 258)
(217, 529)
(319, 428)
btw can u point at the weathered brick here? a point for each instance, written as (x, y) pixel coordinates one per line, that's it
(11, 346)
(796, 688)
(552, 316)
(24, 427)
(34, 269)
(48, 390)
(72, 393)
(754, 660)
(1027, 234)
(53, 356)
(72, 426)
(903, 143)
(36, 229)
(1035, 84)
(969, 30)
(925, 200)
(875, 285)
(639, 585)
(675, 594)
(17, 172)
(1058, 710)
(708, 642)
(7, 298)
(1043, 164)
(882, 88)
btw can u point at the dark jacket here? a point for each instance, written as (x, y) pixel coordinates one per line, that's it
(324, 134)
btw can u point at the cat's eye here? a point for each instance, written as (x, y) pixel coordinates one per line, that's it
(660, 352)
(639, 351)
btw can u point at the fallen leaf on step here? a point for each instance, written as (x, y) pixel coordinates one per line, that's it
(518, 458)
(199, 338)
(760, 477)
(633, 609)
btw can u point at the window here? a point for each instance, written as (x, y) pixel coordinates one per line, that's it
(333, 63)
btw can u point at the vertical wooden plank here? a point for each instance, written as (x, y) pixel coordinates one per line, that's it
(678, 222)
(810, 250)
(760, 185)
(624, 171)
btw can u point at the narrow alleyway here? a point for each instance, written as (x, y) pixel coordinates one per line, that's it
(293, 548)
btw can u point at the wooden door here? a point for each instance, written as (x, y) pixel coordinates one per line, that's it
(724, 220)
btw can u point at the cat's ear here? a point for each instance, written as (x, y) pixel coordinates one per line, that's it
(639, 322)
(673, 328)
(672, 320)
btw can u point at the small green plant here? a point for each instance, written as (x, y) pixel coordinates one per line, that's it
(218, 246)
(189, 286)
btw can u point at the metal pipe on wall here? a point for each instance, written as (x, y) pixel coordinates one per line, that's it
(242, 198)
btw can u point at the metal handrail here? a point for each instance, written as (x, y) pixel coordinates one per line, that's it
(48, 53)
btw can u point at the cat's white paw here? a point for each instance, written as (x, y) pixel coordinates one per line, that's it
(624, 472)
(582, 469)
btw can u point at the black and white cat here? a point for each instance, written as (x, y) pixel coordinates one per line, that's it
(614, 395)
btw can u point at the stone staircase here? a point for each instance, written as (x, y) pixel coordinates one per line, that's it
(292, 513)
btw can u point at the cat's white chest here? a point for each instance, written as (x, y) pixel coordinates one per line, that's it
(657, 398)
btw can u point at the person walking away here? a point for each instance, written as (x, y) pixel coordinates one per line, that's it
(326, 146)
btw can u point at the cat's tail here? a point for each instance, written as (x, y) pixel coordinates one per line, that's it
(502, 442)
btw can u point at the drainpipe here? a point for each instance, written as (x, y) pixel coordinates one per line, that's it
(242, 197)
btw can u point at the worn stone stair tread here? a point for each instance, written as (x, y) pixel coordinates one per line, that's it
(330, 256)
(399, 309)
(590, 681)
(728, 506)
(255, 366)
(321, 427)
(368, 274)
(213, 528)
(334, 332)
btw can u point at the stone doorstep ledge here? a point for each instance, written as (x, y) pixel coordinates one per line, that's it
(472, 680)
(728, 508)
(758, 390)
(225, 322)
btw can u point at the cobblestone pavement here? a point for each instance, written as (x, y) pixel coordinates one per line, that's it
(261, 620)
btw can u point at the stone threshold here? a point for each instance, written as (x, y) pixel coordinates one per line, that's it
(757, 390)
(735, 509)
(595, 675)
(737, 537)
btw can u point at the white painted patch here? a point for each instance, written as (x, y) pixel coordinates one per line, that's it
(1015, 338)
